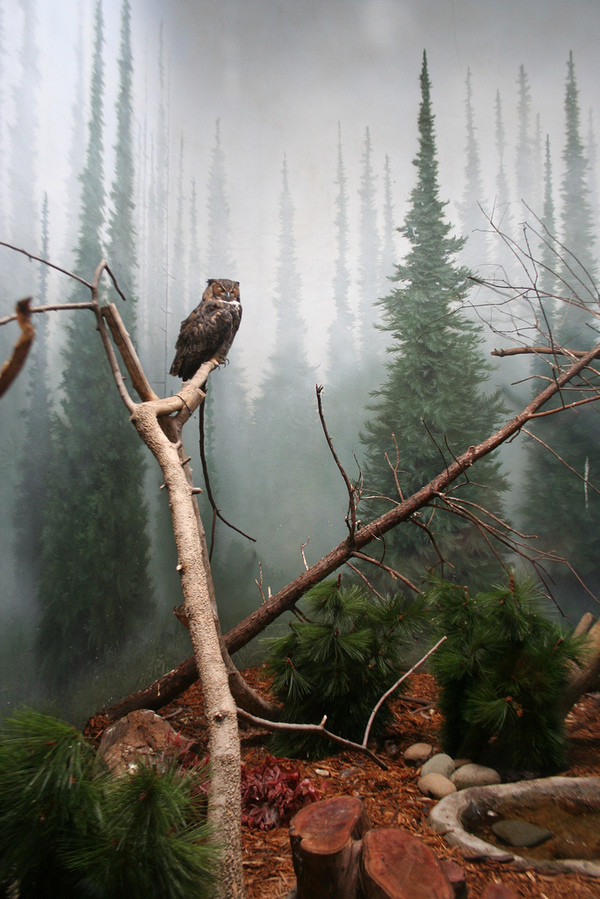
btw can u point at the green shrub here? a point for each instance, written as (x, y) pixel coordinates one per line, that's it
(69, 829)
(502, 672)
(337, 661)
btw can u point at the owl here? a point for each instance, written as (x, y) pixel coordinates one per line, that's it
(208, 332)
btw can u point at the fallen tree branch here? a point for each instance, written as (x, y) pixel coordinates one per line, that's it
(184, 675)
(317, 729)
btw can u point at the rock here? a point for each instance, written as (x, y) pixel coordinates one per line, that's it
(456, 877)
(520, 833)
(397, 865)
(141, 736)
(435, 785)
(440, 763)
(418, 753)
(472, 775)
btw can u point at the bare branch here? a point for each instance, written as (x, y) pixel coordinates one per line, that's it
(539, 351)
(561, 460)
(209, 493)
(350, 487)
(54, 307)
(33, 258)
(395, 575)
(317, 729)
(395, 687)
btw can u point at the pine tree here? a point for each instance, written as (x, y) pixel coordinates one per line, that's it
(577, 231)
(179, 278)
(21, 217)
(548, 276)
(572, 435)
(472, 220)
(502, 215)
(368, 256)
(592, 157)
(193, 250)
(24, 212)
(388, 257)
(433, 397)
(225, 408)
(219, 258)
(524, 154)
(94, 584)
(77, 145)
(32, 490)
(341, 353)
(288, 449)
(343, 383)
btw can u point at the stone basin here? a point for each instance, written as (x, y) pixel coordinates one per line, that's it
(456, 815)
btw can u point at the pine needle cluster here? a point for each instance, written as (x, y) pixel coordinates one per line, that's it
(502, 671)
(69, 829)
(338, 661)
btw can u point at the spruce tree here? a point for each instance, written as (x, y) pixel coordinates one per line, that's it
(287, 444)
(577, 228)
(433, 399)
(388, 256)
(472, 221)
(524, 150)
(368, 256)
(341, 352)
(33, 481)
(94, 583)
(570, 529)
(502, 201)
(548, 276)
(225, 408)
(343, 382)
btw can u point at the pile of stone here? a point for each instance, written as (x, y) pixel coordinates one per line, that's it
(442, 775)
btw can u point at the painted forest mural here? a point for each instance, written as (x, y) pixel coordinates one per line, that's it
(373, 235)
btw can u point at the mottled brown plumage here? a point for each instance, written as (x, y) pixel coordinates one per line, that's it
(208, 332)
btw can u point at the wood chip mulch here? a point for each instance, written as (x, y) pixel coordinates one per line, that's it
(391, 797)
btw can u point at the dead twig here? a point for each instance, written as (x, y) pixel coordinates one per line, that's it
(396, 685)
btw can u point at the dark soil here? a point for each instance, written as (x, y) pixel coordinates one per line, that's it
(391, 797)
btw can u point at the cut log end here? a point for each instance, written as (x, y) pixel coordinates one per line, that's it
(397, 865)
(325, 840)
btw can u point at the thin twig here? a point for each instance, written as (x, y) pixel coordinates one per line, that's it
(396, 685)
(350, 488)
(317, 729)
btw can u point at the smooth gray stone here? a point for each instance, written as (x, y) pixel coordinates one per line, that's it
(440, 763)
(472, 775)
(521, 833)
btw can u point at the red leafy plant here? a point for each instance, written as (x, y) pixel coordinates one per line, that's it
(272, 793)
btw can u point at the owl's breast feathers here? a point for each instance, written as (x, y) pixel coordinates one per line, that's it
(209, 330)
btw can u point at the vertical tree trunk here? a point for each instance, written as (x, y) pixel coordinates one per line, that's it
(162, 436)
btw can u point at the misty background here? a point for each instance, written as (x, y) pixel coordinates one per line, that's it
(272, 143)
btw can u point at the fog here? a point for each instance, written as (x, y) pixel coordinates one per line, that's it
(245, 89)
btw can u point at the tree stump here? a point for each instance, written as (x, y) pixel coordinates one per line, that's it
(397, 865)
(325, 840)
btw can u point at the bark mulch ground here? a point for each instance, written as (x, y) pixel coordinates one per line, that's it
(391, 797)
